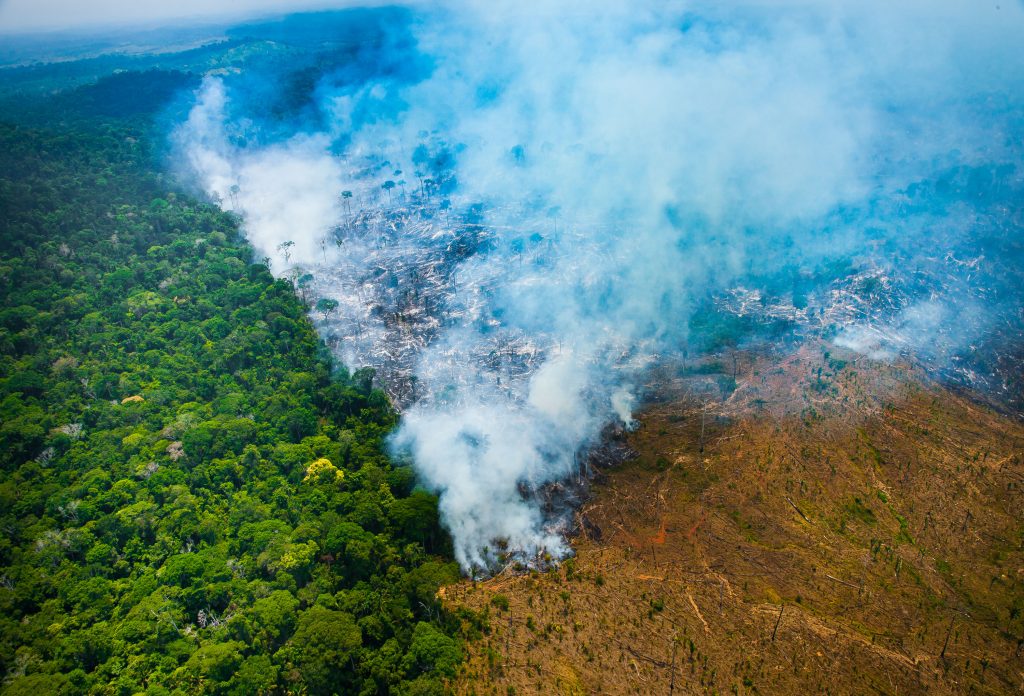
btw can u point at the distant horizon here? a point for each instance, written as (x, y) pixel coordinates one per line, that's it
(28, 47)
(30, 19)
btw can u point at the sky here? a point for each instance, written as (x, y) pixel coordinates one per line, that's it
(47, 15)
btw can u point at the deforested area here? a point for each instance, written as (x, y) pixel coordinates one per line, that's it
(863, 546)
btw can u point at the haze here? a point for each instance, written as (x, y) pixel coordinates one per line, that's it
(69, 15)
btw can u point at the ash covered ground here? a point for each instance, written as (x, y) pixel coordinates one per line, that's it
(400, 285)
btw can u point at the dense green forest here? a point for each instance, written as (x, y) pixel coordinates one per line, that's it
(194, 497)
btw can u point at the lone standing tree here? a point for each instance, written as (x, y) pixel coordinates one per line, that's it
(286, 249)
(387, 186)
(326, 305)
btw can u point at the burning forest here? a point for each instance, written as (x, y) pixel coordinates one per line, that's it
(511, 247)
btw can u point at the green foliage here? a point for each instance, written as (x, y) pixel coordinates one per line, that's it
(162, 402)
(432, 652)
(323, 648)
(859, 510)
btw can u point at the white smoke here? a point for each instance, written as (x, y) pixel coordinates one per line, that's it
(287, 192)
(627, 160)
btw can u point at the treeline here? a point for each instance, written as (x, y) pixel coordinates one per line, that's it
(193, 497)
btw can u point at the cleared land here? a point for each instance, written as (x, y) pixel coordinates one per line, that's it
(829, 526)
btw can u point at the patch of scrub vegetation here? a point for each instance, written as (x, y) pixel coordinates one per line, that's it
(858, 510)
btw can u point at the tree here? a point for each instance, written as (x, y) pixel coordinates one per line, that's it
(286, 249)
(346, 197)
(323, 649)
(210, 664)
(304, 281)
(326, 306)
(387, 186)
(273, 618)
(257, 675)
(362, 380)
(417, 517)
(432, 652)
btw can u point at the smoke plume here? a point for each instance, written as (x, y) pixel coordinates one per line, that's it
(535, 200)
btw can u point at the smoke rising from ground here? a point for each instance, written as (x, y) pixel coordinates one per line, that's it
(574, 185)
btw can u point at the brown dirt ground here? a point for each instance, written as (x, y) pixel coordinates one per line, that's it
(840, 527)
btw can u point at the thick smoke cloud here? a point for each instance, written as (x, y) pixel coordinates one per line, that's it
(624, 166)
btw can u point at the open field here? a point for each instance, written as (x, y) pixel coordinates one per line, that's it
(848, 530)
